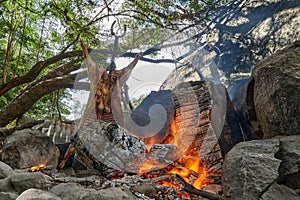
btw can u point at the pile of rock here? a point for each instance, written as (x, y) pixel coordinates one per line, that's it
(23, 185)
(263, 169)
(268, 107)
(31, 147)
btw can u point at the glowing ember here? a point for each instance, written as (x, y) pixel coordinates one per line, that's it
(189, 166)
(37, 167)
(149, 165)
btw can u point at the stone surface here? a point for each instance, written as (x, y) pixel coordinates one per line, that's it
(5, 170)
(8, 196)
(146, 189)
(270, 104)
(269, 25)
(113, 146)
(6, 185)
(24, 181)
(37, 194)
(70, 191)
(249, 168)
(27, 148)
(117, 193)
(291, 180)
(280, 192)
(289, 153)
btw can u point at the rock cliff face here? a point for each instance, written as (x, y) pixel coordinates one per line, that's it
(253, 31)
(269, 104)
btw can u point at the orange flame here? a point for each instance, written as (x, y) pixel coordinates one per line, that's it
(37, 167)
(190, 170)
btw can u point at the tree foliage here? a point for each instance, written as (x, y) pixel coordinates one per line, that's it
(40, 54)
(32, 33)
(39, 42)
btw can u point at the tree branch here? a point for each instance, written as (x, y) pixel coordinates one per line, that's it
(35, 71)
(25, 101)
(8, 131)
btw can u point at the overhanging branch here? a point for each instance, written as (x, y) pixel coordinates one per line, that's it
(25, 101)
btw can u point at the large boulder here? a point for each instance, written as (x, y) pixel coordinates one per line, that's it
(249, 168)
(263, 169)
(27, 148)
(235, 44)
(254, 30)
(269, 104)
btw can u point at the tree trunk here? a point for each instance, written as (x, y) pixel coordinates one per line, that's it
(31, 94)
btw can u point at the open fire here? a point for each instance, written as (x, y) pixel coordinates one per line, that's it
(187, 165)
(37, 168)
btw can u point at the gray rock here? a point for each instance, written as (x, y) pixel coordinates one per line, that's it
(280, 192)
(270, 106)
(289, 153)
(269, 25)
(28, 147)
(6, 185)
(291, 180)
(37, 194)
(8, 196)
(5, 170)
(249, 168)
(116, 193)
(24, 181)
(70, 191)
